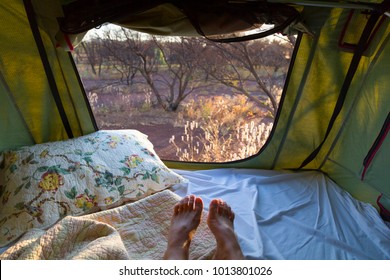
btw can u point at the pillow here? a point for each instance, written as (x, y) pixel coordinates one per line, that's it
(43, 183)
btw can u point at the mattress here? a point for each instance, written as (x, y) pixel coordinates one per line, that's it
(293, 215)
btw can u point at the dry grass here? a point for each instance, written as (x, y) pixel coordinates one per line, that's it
(219, 130)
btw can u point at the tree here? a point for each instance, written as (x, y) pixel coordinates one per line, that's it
(251, 69)
(92, 51)
(182, 75)
(118, 55)
(170, 68)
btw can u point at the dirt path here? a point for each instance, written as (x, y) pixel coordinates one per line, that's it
(159, 135)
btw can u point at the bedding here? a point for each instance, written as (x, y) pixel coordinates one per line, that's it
(41, 184)
(293, 215)
(107, 195)
(137, 231)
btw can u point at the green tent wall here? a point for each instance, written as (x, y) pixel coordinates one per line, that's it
(28, 110)
(42, 99)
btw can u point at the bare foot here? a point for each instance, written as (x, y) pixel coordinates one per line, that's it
(186, 218)
(220, 221)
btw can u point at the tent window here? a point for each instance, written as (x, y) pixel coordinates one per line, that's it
(197, 100)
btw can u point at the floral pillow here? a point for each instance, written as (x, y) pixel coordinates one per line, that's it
(43, 183)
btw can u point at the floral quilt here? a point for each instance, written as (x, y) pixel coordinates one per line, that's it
(41, 184)
(135, 231)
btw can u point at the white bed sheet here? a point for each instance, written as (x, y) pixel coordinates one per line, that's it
(287, 215)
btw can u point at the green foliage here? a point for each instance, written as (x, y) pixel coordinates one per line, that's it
(71, 194)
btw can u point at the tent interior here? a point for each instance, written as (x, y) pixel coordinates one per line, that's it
(317, 189)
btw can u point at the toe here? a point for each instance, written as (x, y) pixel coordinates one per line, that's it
(191, 201)
(224, 209)
(221, 207)
(229, 213)
(213, 208)
(198, 204)
(184, 204)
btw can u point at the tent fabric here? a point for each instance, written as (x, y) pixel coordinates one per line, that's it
(218, 20)
(365, 108)
(29, 113)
